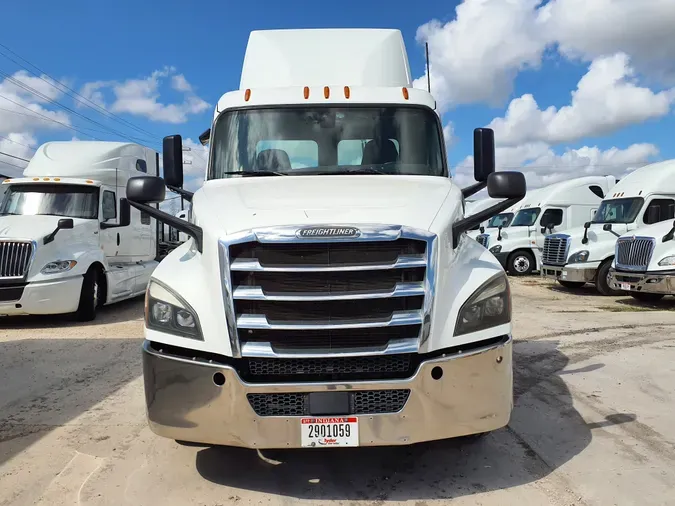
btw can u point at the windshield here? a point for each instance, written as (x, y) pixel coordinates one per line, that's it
(72, 201)
(312, 140)
(501, 220)
(618, 210)
(526, 217)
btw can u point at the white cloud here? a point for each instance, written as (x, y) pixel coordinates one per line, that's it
(606, 99)
(476, 56)
(19, 145)
(542, 166)
(140, 97)
(449, 134)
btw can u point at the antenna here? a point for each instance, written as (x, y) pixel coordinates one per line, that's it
(426, 46)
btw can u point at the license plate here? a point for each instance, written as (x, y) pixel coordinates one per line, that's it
(324, 432)
(624, 286)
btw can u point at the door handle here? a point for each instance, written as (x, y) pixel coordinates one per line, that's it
(118, 238)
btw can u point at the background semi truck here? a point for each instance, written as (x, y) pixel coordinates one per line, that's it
(585, 254)
(69, 242)
(328, 294)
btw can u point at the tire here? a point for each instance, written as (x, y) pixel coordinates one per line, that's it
(602, 281)
(647, 297)
(89, 296)
(572, 284)
(520, 263)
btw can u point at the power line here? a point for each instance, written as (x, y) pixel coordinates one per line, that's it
(12, 156)
(17, 142)
(2, 162)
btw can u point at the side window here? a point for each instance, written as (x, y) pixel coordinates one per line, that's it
(145, 218)
(141, 166)
(597, 190)
(659, 210)
(109, 205)
(553, 217)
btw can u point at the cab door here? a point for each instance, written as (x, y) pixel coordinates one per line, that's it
(110, 243)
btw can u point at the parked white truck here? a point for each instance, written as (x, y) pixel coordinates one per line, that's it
(644, 264)
(553, 208)
(585, 254)
(329, 295)
(69, 242)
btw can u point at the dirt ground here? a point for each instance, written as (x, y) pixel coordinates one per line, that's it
(593, 422)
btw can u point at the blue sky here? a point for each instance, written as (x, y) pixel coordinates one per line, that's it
(484, 55)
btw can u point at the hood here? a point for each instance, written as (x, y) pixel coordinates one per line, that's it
(656, 230)
(513, 233)
(35, 227)
(600, 243)
(245, 203)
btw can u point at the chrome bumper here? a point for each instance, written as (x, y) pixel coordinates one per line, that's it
(585, 274)
(662, 283)
(474, 394)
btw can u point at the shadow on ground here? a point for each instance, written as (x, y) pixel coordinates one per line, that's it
(45, 383)
(124, 311)
(545, 432)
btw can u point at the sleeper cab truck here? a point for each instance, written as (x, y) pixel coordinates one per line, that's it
(585, 254)
(328, 295)
(548, 210)
(69, 241)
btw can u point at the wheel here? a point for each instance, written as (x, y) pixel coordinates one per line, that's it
(520, 263)
(572, 284)
(89, 296)
(602, 280)
(647, 297)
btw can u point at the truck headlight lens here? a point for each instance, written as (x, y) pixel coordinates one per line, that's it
(496, 249)
(488, 307)
(168, 312)
(578, 257)
(667, 261)
(58, 266)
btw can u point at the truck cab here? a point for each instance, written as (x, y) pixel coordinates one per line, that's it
(328, 294)
(585, 254)
(544, 211)
(69, 241)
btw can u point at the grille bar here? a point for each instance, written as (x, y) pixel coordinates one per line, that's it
(403, 262)
(15, 257)
(259, 321)
(634, 253)
(257, 293)
(555, 249)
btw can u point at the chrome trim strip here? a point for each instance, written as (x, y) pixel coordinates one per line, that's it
(401, 290)
(228, 300)
(260, 322)
(395, 346)
(287, 233)
(402, 262)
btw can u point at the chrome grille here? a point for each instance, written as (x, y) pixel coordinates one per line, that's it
(368, 295)
(366, 402)
(634, 253)
(555, 251)
(15, 257)
(483, 240)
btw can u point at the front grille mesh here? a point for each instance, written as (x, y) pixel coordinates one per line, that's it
(15, 258)
(555, 250)
(634, 253)
(365, 402)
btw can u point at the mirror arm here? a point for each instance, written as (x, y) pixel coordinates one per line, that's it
(471, 221)
(181, 225)
(669, 236)
(187, 195)
(49, 238)
(473, 189)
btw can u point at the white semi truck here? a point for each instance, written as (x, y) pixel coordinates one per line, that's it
(69, 241)
(585, 254)
(328, 295)
(553, 208)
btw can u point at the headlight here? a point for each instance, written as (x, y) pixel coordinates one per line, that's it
(496, 249)
(488, 307)
(166, 311)
(667, 261)
(58, 266)
(578, 257)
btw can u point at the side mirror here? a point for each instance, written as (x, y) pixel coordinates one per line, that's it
(607, 227)
(65, 224)
(146, 189)
(506, 185)
(125, 213)
(172, 158)
(483, 154)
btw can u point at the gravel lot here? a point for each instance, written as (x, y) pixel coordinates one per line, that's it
(593, 422)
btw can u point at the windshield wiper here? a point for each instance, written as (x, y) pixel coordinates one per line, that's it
(258, 173)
